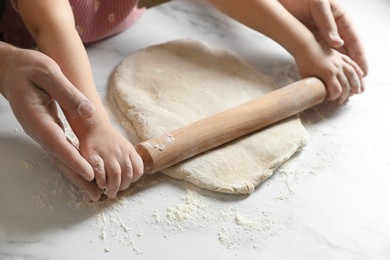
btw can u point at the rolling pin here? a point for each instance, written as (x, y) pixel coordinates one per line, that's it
(169, 149)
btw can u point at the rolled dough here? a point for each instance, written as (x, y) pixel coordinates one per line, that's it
(167, 86)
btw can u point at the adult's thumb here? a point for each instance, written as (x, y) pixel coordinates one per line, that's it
(326, 23)
(54, 83)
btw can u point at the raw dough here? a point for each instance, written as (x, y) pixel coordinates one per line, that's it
(167, 86)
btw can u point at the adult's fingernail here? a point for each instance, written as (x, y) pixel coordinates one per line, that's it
(85, 109)
(335, 37)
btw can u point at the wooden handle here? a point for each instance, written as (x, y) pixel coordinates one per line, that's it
(162, 152)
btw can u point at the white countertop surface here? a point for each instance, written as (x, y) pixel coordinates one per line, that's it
(330, 202)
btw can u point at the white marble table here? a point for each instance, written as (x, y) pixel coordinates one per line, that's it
(330, 202)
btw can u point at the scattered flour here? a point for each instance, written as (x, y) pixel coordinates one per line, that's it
(117, 223)
(26, 165)
(225, 238)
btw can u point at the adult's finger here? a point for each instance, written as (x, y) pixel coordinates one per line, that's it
(87, 188)
(55, 142)
(113, 170)
(326, 22)
(48, 76)
(353, 46)
(44, 129)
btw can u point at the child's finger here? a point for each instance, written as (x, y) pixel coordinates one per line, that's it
(97, 164)
(357, 82)
(334, 89)
(114, 173)
(127, 174)
(138, 166)
(345, 88)
(356, 67)
(362, 86)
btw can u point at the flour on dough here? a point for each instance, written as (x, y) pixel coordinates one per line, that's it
(167, 86)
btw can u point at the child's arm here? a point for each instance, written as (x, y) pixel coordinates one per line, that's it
(339, 73)
(115, 162)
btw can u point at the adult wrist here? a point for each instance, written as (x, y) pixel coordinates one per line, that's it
(5, 49)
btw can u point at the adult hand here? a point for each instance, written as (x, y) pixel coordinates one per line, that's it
(330, 23)
(32, 82)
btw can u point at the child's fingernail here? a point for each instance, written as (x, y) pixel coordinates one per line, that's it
(111, 195)
(85, 109)
(87, 195)
(357, 86)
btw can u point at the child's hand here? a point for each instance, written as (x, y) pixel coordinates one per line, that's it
(341, 75)
(330, 23)
(115, 162)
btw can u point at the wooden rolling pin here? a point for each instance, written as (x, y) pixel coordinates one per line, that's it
(162, 152)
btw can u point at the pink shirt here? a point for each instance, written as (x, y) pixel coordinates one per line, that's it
(95, 20)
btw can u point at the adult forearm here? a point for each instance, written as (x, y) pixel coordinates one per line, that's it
(4, 52)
